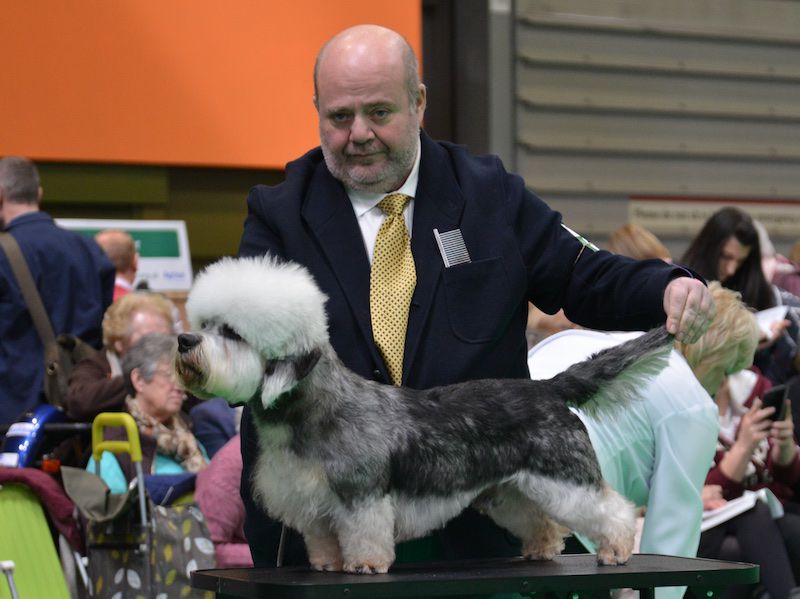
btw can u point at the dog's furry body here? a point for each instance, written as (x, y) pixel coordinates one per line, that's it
(356, 466)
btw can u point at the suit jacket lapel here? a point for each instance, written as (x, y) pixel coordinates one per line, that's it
(329, 214)
(438, 204)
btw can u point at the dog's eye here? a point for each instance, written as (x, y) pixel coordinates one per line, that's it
(229, 333)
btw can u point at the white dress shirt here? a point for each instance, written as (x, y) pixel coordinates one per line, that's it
(370, 217)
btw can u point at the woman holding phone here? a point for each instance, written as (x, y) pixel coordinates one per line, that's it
(756, 449)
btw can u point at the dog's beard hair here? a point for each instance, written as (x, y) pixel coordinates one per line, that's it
(233, 370)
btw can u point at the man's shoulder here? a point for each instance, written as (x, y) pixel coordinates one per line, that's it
(297, 176)
(459, 156)
(480, 176)
(39, 235)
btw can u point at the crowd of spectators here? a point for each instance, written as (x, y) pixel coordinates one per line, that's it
(753, 449)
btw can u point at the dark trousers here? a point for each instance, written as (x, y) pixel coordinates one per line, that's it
(758, 540)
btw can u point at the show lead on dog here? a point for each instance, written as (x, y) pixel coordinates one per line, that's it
(481, 246)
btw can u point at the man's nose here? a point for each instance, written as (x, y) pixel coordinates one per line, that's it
(360, 130)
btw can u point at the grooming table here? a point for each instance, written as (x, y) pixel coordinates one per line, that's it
(567, 576)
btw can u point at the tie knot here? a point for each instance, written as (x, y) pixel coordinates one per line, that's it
(394, 203)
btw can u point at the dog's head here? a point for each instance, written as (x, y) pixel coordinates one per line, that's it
(258, 325)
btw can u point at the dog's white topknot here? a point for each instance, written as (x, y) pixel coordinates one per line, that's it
(273, 305)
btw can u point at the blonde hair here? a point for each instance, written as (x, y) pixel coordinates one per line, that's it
(637, 242)
(117, 319)
(730, 340)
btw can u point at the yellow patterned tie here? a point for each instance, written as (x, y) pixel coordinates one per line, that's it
(391, 284)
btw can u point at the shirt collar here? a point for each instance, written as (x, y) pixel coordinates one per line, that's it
(365, 201)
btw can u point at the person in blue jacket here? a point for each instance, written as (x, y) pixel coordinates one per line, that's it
(466, 318)
(72, 274)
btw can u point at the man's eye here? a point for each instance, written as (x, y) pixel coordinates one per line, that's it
(340, 117)
(380, 113)
(229, 333)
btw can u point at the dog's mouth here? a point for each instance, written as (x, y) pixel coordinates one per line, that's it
(189, 374)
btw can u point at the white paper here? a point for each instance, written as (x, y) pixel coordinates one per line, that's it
(766, 317)
(734, 507)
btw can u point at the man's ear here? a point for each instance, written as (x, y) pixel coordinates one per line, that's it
(422, 102)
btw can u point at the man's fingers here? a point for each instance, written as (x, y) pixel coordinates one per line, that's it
(689, 308)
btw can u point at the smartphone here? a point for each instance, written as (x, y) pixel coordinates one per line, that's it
(775, 397)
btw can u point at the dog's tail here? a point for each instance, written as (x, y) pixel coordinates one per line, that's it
(612, 378)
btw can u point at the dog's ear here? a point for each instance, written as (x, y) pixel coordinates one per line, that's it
(279, 378)
(304, 364)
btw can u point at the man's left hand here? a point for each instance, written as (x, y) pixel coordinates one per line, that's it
(689, 309)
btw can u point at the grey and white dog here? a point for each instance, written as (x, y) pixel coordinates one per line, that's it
(356, 466)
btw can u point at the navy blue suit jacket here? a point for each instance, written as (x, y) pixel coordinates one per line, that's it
(75, 281)
(465, 322)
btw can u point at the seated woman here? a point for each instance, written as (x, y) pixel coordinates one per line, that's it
(754, 451)
(96, 384)
(728, 249)
(154, 400)
(635, 241)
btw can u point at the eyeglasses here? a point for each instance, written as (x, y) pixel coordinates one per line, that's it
(166, 373)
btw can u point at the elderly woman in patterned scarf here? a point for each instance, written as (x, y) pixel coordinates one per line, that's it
(154, 401)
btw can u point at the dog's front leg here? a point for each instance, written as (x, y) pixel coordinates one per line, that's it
(324, 553)
(366, 535)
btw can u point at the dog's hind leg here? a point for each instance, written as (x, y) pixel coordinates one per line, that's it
(542, 538)
(366, 535)
(324, 553)
(596, 511)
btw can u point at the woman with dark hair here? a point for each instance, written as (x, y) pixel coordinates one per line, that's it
(727, 250)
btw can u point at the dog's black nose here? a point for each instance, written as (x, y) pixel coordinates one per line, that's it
(187, 341)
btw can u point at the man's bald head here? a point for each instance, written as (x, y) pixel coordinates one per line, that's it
(120, 248)
(367, 40)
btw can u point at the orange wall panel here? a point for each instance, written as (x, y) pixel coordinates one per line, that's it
(196, 82)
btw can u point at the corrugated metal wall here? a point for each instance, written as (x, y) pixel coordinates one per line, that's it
(692, 98)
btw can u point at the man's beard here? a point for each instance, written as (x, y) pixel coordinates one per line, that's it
(399, 162)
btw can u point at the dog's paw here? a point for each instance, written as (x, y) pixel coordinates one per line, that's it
(543, 552)
(372, 567)
(614, 554)
(327, 566)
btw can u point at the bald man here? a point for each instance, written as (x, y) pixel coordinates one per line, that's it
(466, 317)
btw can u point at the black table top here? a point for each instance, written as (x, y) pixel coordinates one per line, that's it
(566, 573)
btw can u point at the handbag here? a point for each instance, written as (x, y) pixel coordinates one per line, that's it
(179, 540)
(60, 353)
